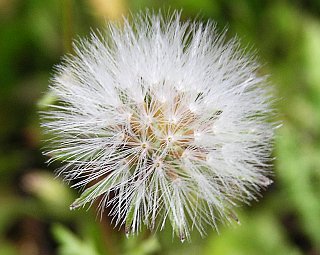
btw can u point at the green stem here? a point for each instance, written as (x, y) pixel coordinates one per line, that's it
(67, 19)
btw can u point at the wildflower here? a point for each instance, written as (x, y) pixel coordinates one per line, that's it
(162, 121)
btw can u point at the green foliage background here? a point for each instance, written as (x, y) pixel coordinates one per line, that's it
(34, 207)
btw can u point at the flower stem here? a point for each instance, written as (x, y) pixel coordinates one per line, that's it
(67, 19)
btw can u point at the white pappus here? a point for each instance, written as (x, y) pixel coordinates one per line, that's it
(161, 120)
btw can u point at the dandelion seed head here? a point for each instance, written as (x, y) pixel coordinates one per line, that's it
(168, 117)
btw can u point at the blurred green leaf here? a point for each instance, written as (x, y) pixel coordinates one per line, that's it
(299, 179)
(70, 244)
(259, 234)
(7, 248)
(135, 246)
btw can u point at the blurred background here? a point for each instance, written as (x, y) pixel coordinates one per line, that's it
(34, 206)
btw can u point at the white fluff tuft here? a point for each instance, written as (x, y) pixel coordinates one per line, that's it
(162, 120)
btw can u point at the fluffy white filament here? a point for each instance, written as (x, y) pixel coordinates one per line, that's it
(161, 120)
